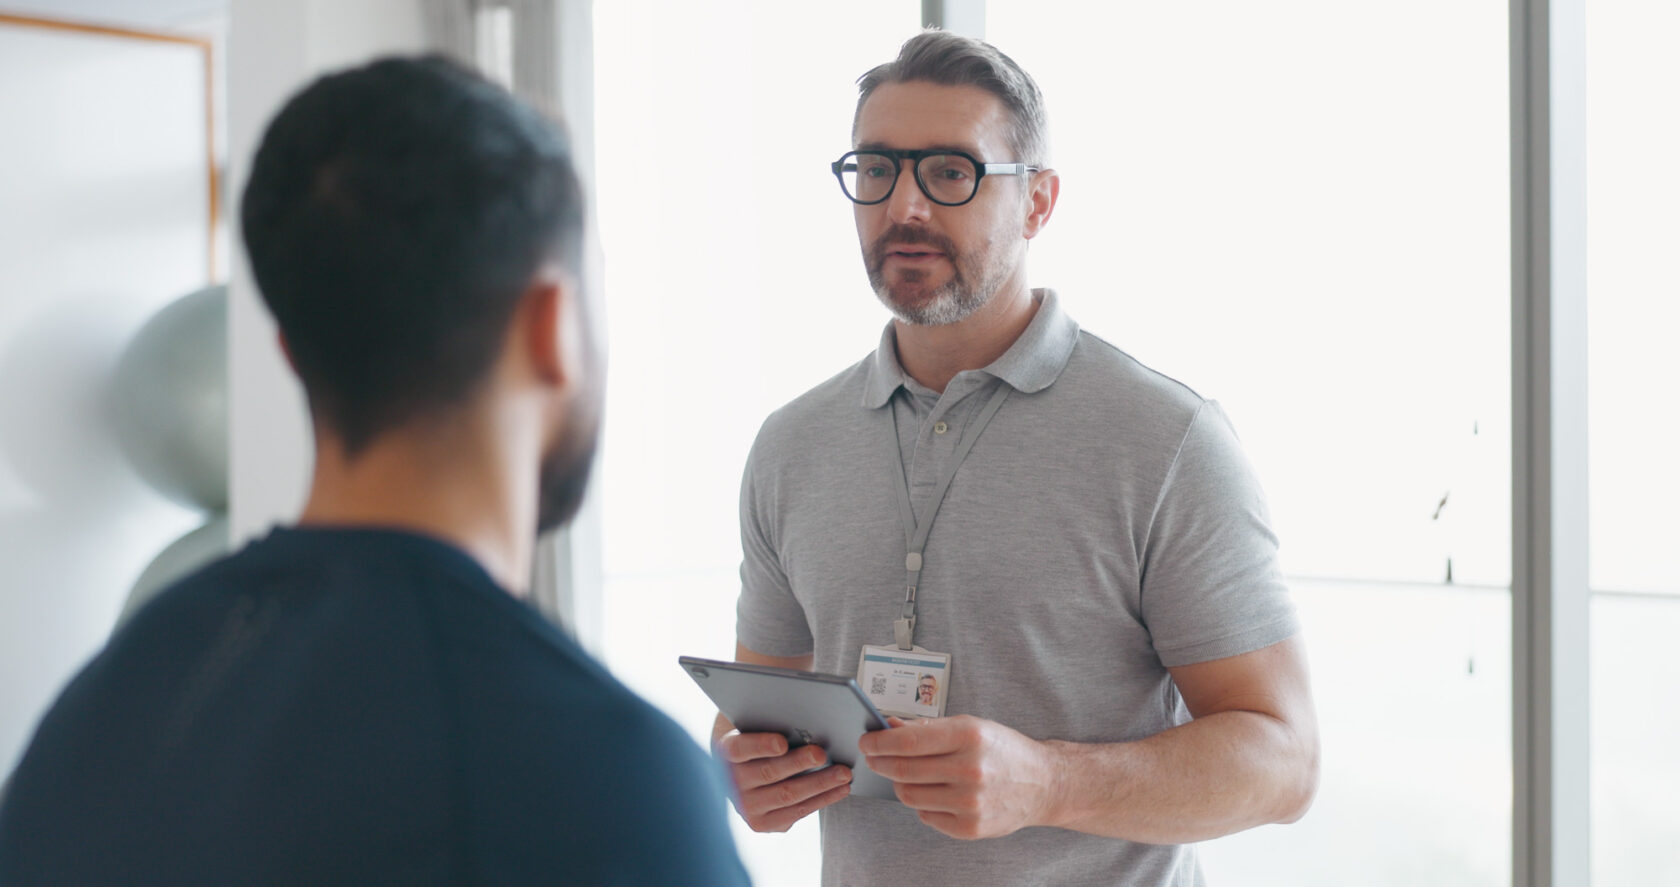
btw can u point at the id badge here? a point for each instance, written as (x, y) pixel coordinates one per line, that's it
(907, 683)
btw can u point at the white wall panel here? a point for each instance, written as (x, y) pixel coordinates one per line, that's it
(104, 218)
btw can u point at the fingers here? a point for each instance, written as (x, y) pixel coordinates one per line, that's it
(737, 748)
(927, 736)
(756, 772)
(925, 770)
(774, 786)
(943, 799)
(775, 808)
(948, 824)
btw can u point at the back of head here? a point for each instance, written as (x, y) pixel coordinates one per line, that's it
(394, 216)
(936, 56)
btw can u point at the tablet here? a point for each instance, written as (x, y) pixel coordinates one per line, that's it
(806, 707)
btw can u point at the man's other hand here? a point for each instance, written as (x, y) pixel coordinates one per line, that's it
(772, 788)
(965, 776)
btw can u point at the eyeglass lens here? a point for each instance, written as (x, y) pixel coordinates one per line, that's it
(945, 178)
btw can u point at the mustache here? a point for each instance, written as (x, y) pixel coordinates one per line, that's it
(908, 235)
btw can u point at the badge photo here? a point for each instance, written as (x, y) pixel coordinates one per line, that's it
(907, 683)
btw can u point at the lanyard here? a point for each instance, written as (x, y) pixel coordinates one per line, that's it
(916, 535)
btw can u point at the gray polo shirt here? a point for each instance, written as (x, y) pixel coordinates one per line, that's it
(1105, 526)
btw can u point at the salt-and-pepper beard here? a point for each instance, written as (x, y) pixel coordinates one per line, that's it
(973, 281)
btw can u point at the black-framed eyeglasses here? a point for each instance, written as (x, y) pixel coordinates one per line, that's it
(948, 178)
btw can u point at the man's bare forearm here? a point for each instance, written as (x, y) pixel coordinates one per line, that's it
(1218, 774)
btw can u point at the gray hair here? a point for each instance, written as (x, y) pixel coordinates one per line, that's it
(948, 59)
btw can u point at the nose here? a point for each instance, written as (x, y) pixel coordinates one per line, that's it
(907, 203)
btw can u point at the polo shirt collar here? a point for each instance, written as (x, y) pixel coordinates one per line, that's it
(1030, 365)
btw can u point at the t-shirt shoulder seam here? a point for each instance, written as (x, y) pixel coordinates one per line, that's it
(1153, 372)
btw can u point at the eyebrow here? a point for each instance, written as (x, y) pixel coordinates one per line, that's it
(883, 146)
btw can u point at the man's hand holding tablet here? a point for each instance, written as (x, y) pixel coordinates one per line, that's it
(773, 783)
(778, 724)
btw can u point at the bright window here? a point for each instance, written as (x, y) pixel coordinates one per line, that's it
(1633, 185)
(1300, 209)
(1285, 207)
(734, 284)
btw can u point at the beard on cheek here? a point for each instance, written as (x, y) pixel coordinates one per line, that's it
(908, 296)
(564, 480)
(911, 296)
(564, 476)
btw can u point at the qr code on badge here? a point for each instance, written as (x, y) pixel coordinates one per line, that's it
(878, 685)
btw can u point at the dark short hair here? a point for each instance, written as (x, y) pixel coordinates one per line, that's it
(394, 216)
(936, 56)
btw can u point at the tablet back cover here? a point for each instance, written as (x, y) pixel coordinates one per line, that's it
(805, 707)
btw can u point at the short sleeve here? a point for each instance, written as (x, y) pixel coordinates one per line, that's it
(1211, 586)
(768, 618)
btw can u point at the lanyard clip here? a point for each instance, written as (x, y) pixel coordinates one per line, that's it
(904, 628)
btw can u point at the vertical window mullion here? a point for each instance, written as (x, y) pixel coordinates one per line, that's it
(1549, 445)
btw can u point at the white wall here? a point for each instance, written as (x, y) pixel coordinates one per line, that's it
(104, 218)
(275, 47)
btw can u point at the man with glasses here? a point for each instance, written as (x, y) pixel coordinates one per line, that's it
(1071, 544)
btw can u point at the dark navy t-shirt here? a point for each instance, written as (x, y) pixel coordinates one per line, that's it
(357, 707)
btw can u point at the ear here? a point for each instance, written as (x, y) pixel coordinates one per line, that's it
(1046, 186)
(553, 334)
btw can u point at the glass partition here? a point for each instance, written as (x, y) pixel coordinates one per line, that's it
(1301, 209)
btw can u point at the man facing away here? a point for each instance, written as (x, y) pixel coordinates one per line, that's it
(1072, 543)
(363, 698)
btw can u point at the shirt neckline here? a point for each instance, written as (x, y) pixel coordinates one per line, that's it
(1032, 363)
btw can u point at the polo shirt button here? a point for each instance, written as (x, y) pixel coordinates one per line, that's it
(940, 428)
